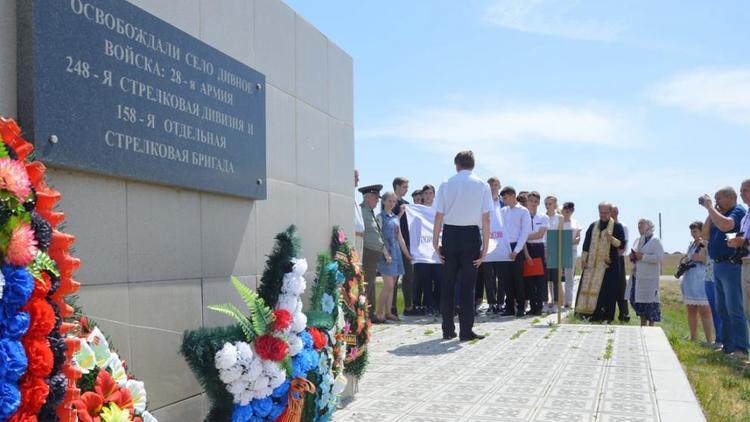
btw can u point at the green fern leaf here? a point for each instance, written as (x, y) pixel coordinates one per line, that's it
(3, 150)
(42, 262)
(242, 320)
(262, 316)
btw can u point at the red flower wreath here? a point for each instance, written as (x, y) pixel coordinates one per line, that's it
(271, 348)
(41, 287)
(282, 320)
(319, 339)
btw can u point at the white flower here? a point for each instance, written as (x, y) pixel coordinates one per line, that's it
(261, 383)
(137, 394)
(287, 301)
(339, 385)
(300, 266)
(85, 358)
(236, 388)
(245, 398)
(226, 357)
(362, 299)
(253, 371)
(295, 345)
(100, 346)
(147, 417)
(230, 375)
(299, 322)
(118, 370)
(244, 350)
(293, 284)
(262, 393)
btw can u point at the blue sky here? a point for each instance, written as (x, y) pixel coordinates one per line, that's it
(645, 104)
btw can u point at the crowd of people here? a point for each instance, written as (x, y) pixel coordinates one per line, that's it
(489, 243)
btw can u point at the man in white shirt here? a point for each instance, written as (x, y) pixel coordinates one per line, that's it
(359, 222)
(622, 302)
(517, 225)
(535, 244)
(463, 204)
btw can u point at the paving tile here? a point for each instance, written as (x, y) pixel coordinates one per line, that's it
(413, 377)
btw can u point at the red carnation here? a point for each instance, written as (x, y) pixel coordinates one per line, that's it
(319, 339)
(40, 356)
(42, 318)
(34, 393)
(271, 348)
(282, 320)
(41, 287)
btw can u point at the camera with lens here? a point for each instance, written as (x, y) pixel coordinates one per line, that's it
(686, 264)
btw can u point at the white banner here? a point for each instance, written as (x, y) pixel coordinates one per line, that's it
(421, 221)
(499, 249)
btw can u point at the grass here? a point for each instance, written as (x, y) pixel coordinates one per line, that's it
(721, 385)
(609, 349)
(517, 334)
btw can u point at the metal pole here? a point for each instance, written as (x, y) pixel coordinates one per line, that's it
(659, 226)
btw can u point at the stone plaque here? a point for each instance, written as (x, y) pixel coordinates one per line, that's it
(108, 88)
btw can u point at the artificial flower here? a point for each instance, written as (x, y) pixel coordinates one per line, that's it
(13, 360)
(10, 399)
(89, 406)
(226, 357)
(300, 322)
(100, 346)
(262, 407)
(290, 302)
(21, 248)
(106, 387)
(117, 369)
(271, 348)
(42, 287)
(327, 303)
(137, 395)
(299, 266)
(147, 417)
(342, 236)
(84, 357)
(13, 178)
(319, 339)
(307, 340)
(113, 413)
(39, 355)
(362, 299)
(282, 320)
(18, 286)
(34, 392)
(340, 278)
(242, 413)
(14, 327)
(295, 345)
(42, 317)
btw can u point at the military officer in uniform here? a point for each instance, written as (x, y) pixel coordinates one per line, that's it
(373, 241)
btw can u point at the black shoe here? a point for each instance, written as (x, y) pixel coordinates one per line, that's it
(508, 312)
(472, 336)
(520, 313)
(412, 312)
(495, 309)
(450, 336)
(624, 318)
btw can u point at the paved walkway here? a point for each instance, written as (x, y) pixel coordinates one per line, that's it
(525, 370)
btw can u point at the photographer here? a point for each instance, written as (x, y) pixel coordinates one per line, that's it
(693, 271)
(741, 243)
(725, 218)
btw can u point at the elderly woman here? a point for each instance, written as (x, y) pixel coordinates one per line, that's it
(643, 287)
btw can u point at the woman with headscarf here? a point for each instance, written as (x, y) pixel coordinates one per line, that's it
(643, 288)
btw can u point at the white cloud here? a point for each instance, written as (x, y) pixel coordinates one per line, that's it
(510, 125)
(551, 17)
(719, 92)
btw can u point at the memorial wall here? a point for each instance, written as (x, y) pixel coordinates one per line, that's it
(179, 161)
